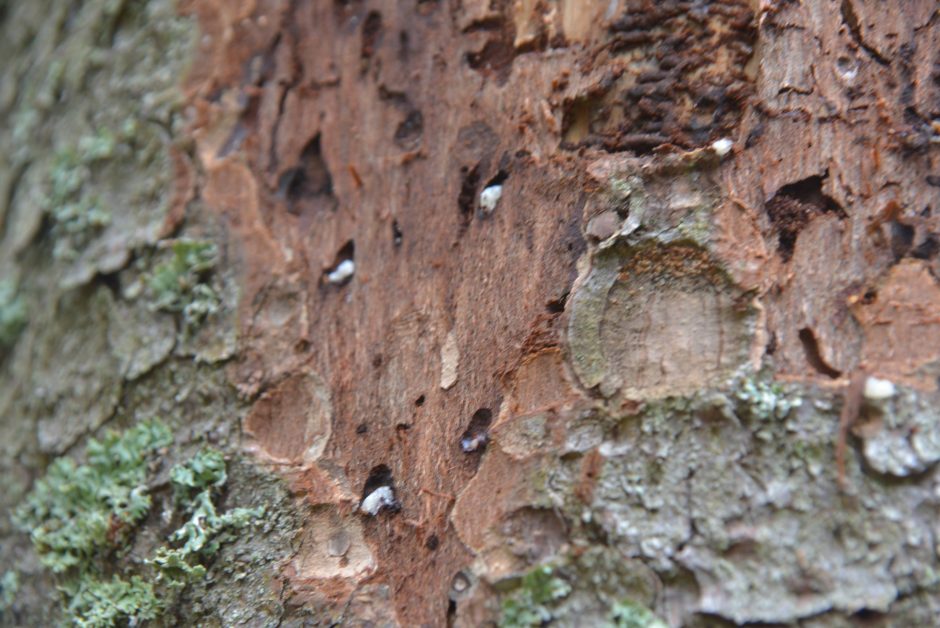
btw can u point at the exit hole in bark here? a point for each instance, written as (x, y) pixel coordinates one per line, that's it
(469, 182)
(378, 492)
(557, 306)
(344, 265)
(476, 435)
(814, 356)
(793, 207)
(308, 186)
(371, 31)
(408, 133)
(492, 192)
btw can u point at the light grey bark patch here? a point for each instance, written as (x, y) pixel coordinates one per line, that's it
(76, 379)
(139, 338)
(216, 338)
(241, 588)
(750, 505)
(901, 435)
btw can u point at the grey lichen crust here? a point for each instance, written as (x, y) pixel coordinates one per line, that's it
(729, 503)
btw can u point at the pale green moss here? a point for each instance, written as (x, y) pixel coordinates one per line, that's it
(9, 585)
(12, 314)
(181, 283)
(531, 604)
(627, 614)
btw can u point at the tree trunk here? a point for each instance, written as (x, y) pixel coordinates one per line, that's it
(578, 311)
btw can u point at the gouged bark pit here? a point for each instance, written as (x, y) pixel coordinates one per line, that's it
(293, 421)
(658, 321)
(332, 548)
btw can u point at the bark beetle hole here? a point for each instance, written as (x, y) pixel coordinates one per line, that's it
(469, 182)
(492, 192)
(499, 179)
(793, 207)
(311, 178)
(362, 428)
(378, 492)
(476, 435)
(557, 306)
(433, 542)
(495, 58)
(927, 249)
(813, 355)
(771, 347)
(403, 44)
(408, 133)
(343, 266)
(419, 401)
(379, 476)
(902, 238)
(371, 30)
(459, 584)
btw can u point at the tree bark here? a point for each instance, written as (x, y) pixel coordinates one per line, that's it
(521, 311)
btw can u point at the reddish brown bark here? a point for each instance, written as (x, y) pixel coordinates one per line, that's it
(367, 131)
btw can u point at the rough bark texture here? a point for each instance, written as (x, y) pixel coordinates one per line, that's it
(641, 367)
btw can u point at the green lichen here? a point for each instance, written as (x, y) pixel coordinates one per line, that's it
(77, 213)
(531, 604)
(174, 567)
(206, 529)
(9, 585)
(12, 314)
(78, 511)
(81, 517)
(628, 614)
(766, 400)
(205, 470)
(181, 284)
(94, 602)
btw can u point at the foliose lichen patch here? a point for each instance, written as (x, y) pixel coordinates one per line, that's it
(83, 518)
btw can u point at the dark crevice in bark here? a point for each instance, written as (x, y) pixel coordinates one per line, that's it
(851, 20)
(814, 356)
